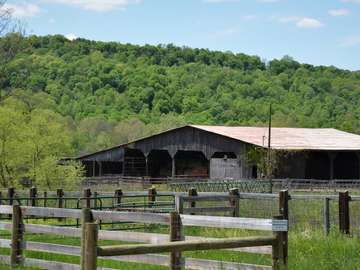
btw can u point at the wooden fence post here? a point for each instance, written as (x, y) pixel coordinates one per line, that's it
(179, 204)
(86, 217)
(151, 197)
(95, 195)
(17, 235)
(235, 202)
(90, 247)
(326, 216)
(60, 199)
(284, 213)
(118, 194)
(87, 197)
(33, 194)
(192, 193)
(11, 195)
(45, 202)
(176, 234)
(344, 213)
(278, 249)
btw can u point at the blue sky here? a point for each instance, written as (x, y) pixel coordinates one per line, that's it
(320, 32)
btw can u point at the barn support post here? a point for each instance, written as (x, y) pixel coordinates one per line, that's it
(93, 168)
(176, 234)
(100, 168)
(17, 235)
(146, 165)
(332, 157)
(192, 193)
(123, 166)
(326, 216)
(235, 201)
(173, 167)
(344, 213)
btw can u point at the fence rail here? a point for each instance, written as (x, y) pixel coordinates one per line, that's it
(159, 242)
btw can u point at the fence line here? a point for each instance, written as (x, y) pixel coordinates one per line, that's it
(315, 210)
(18, 244)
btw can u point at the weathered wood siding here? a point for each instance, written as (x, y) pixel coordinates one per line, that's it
(181, 139)
(189, 139)
(221, 168)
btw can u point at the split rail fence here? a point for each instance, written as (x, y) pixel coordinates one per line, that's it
(274, 244)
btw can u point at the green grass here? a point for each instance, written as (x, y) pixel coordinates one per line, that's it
(307, 250)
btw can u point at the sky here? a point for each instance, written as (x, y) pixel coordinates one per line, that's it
(319, 32)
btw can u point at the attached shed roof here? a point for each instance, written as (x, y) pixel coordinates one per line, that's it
(290, 138)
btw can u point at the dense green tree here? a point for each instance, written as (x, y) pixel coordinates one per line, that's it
(32, 141)
(111, 93)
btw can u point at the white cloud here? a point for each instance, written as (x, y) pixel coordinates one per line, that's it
(71, 36)
(301, 22)
(351, 41)
(309, 23)
(22, 10)
(338, 12)
(97, 5)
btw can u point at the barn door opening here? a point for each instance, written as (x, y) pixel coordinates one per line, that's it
(159, 163)
(191, 163)
(346, 166)
(317, 166)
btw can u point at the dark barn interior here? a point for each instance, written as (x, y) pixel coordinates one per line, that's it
(222, 152)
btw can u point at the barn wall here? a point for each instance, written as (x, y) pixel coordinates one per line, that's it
(191, 139)
(221, 168)
(114, 154)
(181, 139)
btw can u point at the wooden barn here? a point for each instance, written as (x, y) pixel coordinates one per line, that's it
(220, 152)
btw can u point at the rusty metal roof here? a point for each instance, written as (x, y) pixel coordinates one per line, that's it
(290, 138)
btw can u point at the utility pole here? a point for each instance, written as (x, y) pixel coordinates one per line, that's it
(269, 167)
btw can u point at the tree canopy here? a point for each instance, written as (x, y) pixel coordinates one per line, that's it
(107, 93)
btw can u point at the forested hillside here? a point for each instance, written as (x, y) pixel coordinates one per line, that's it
(109, 92)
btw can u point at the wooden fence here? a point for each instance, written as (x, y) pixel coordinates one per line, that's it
(275, 244)
(336, 210)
